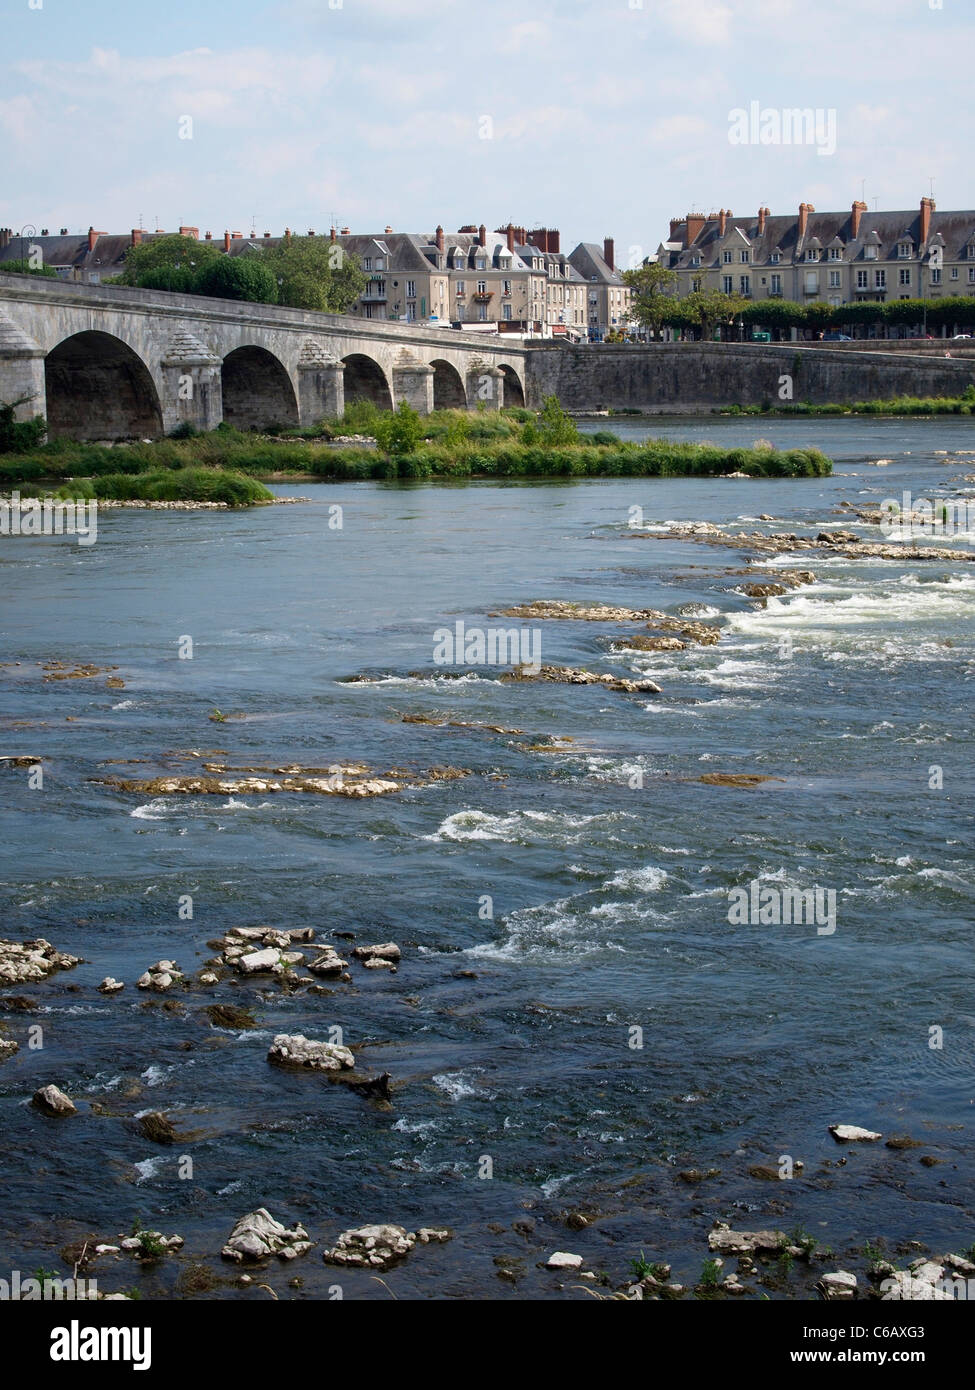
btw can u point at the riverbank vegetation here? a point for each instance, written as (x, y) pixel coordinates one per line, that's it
(896, 405)
(446, 445)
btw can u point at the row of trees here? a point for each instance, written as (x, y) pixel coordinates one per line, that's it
(303, 273)
(655, 307)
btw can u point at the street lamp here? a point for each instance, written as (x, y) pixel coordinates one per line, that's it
(28, 230)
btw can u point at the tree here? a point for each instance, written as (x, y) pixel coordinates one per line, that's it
(653, 289)
(165, 253)
(707, 308)
(312, 273)
(554, 426)
(25, 267)
(238, 277)
(399, 431)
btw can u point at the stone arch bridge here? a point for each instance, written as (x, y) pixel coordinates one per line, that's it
(113, 363)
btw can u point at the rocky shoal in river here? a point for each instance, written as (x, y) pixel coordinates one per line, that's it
(844, 543)
(351, 779)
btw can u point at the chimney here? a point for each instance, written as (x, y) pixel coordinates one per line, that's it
(237, 236)
(388, 231)
(555, 241)
(609, 252)
(5, 235)
(762, 214)
(287, 235)
(482, 235)
(674, 227)
(520, 236)
(722, 222)
(331, 234)
(64, 231)
(858, 210)
(136, 236)
(92, 238)
(439, 239)
(343, 231)
(311, 231)
(928, 206)
(267, 235)
(804, 210)
(226, 241)
(510, 231)
(695, 226)
(208, 237)
(193, 232)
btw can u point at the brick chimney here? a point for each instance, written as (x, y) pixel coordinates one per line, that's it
(762, 215)
(5, 235)
(510, 233)
(137, 235)
(928, 206)
(674, 227)
(520, 236)
(226, 241)
(208, 237)
(440, 240)
(482, 235)
(331, 233)
(722, 222)
(804, 210)
(193, 232)
(609, 252)
(92, 238)
(857, 212)
(388, 231)
(695, 226)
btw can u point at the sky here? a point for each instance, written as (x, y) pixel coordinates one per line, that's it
(599, 117)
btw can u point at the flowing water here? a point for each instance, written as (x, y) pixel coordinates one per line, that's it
(555, 900)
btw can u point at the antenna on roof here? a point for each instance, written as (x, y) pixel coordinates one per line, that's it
(931, 182)
(863, 190)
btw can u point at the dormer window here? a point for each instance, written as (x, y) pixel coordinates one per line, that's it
(481, 263)
(743, 257)
(774, 258)
(870, 253)
(905, 250)
(812, 255)
(696, 261)
(971, 250)
(836, 253)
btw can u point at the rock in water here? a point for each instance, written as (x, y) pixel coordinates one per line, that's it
(848, 1134)
(31, 960)
(378, 1247)
(295, 1050)
(52, 1101)
(257, 1236)
(562, 1259)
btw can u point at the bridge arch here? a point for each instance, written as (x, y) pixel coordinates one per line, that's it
(257, 390)
(448, 386)
(514, 392)
(97, 387)
(365, 380)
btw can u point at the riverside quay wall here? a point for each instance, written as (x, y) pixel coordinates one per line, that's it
(676, 377)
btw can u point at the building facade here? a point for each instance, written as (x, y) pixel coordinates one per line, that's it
(833, 257)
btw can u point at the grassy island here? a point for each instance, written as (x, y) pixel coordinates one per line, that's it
(367, 443)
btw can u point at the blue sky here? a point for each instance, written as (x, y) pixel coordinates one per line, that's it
(600, 117)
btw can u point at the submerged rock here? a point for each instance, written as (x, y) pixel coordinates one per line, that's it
(31, 960)
(257, 1236)
(295, 1050)
(378, 1247)
(724, 1241)
(51, 1100)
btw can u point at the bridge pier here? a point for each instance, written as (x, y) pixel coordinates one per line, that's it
(21, 371)
(485, 386)
(192, 390)
(321, 385)
(413, 383)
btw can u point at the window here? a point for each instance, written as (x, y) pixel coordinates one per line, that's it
(367, 263)
(744, 284)
(411, 289)
(482, 287)
(836, 253)
(904, 278)
(506, 311)
(936, 277)
(954, 272)
(971, 274)
(775, 258)
(726, 258)
(812, 255)
(870, 253)
(379, 263)
(507, 287)
(697, 282)
(743, 257)
(727, 284)
(696, 261)
(776, 284)
(861, 279)
(812, 282)
(834, 279)
(481, 263)
(410, 313)
(835, 299)
(461, 287)
(905, 250)
(880, 279)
